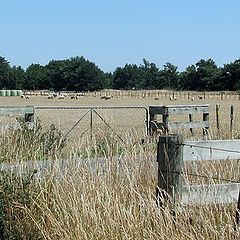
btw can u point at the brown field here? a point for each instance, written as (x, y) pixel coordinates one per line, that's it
(65, 119)
(114, 200)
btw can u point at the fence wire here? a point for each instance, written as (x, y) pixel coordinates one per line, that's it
(74, 122)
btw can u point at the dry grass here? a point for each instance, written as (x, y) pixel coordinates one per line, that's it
(112, 198)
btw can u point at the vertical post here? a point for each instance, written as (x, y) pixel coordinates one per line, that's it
(29, 116)
(190, 120)
(205, 130)
(231, 121)
(165, 119)
(238, 211)
(217, 119)
(91, 124)
(152, 121)
(170, 165)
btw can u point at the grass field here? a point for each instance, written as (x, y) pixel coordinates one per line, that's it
(116, 198)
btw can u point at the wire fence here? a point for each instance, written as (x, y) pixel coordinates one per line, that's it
(74, 121)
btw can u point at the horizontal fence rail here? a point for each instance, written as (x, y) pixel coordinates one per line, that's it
(172, 152)
(10, 114)
(211, 150)
(208, 194)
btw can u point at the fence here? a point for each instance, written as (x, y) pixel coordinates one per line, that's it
(173, 152)
(155, 94)
(166, 111)
(76, 120)
(165, 94)
(9, 114)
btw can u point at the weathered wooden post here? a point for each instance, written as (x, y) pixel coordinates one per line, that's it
(231, 121)
(205, 130)
(170, 165)
(238, 211)
(29, 116)
(190, 116)
(217, 119)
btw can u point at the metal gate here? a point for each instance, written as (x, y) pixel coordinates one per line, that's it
(75, 121)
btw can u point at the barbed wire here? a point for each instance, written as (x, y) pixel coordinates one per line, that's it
(202, 176)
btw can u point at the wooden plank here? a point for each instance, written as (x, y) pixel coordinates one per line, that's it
(193, 124)
(210, 194)
(16, 110)
(175, 125)
(211, 150)
(177, 109)
(15, 126)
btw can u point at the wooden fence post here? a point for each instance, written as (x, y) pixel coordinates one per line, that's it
(231, 121)
(217, 119)
(153, 120)
(170, 165)
(29, 116)
(238, 211)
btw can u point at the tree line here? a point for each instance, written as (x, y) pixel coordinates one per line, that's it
(79, 74)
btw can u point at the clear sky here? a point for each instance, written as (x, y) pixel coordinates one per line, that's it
(111, 33)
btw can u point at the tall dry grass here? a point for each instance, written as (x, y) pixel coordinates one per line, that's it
(110, 198)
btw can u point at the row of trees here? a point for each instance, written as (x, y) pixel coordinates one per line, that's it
(79, 74)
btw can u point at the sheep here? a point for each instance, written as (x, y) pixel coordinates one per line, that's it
(24, 97)
(192, 98)
(49, 97)
(74, 97)
(156, 98)
(60, 97)
(200, 97)
(106, 97)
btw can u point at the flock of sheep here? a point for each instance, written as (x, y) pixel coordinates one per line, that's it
(105, 97)
(65, 95)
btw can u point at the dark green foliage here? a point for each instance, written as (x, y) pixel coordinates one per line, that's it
(5, 70)
(79, 74)
(75, 74)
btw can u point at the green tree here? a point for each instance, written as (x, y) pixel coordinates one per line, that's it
(128, 77)
(202, 76)
(5, 71)
(230, 77)
(18, 77)
(36, 77)
(151, 75)
(75, 74)
(169, 76)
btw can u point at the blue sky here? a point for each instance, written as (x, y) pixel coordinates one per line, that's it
(111, 33)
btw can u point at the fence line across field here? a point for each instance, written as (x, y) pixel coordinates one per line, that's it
(167, 94)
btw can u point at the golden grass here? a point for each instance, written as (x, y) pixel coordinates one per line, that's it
(112, 198)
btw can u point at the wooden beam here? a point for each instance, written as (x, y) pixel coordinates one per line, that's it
(16, 110)
(211, 150)
(193, 124)
(178, 109)
(211, 194)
